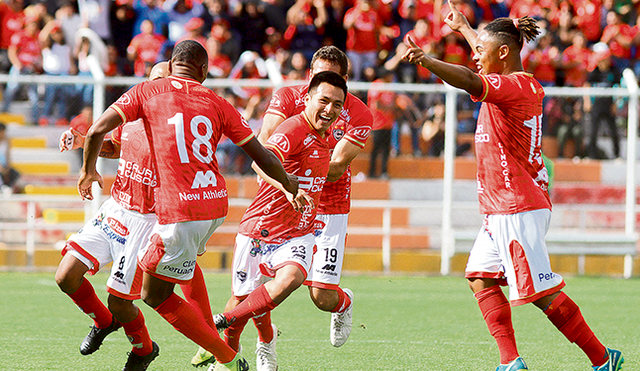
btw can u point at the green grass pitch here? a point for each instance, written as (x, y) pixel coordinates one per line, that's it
(400, 323)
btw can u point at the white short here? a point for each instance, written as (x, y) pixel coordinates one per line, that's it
(331, 235)
(114, 234)
(171, 252)
(253, 259)
(513, 247)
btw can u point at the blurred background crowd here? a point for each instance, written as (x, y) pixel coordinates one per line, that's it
(583, 43)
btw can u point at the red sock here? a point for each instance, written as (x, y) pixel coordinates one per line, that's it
(497, 314)
(196, 294)
(86, 299)
(138, 335)
(184, 318)
(257, 303)
(343, 301)
(232, 334)
(565, 314)
(265, 330)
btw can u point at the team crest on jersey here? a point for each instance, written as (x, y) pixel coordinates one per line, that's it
(118, 227)
(124, 100)
(494, 81)
(338, 133)
(176, 84)
(280, 141)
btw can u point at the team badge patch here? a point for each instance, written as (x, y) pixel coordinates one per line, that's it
(338, 133)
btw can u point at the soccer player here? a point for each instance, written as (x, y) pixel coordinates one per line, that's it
(347, 137)
(512, 189)
(132, 190)
(273, 239)
(184, 122)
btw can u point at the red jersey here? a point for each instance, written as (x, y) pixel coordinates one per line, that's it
(354, 125)
(303, 152)
(28, 47)
(135, 179)
(617, 49)
(385, 105)
(363, 35)
(147, 48)
(576, 76)
(588, 18)
(10, 23)
(543, 65)
(184, 122)
(511, 175)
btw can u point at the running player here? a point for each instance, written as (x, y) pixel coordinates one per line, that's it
(512, 189)
(274, 240)
(135, 160)
(183, 121)
(347, 138)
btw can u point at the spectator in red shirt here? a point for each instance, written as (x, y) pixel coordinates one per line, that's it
(11, 19)
(588, 18)
(194, 32)
(618, 35)
(383, 107)
(543, 61)
(144, 48)
(305, 20)
(363, 25)
(219, 63)
(25, 55)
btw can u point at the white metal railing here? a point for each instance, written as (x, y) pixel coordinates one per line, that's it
(451, 95)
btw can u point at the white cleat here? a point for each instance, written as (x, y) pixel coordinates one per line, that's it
(341, 323)
(266, 353)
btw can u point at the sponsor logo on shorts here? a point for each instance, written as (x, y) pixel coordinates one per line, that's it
(98, 220)
(118, 227)
(546, 276)
(242, 275)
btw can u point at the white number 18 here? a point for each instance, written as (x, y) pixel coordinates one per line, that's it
(200, 140)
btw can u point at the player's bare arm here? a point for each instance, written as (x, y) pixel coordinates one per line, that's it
(342, 155)
(459, 23)
(298, 201)
(269, 125)
(460, 77)
(108, 121)
(270, 164)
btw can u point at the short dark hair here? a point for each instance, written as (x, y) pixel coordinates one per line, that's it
(334, 55)
(3, 127)
(330, 78)
(191, 52)
(514, 31)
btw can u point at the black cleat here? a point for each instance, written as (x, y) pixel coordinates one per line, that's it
(96, 336)
(221, 322)
(140, 363)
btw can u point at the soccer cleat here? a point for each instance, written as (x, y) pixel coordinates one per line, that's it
(202, 358)
(614, 363)
(238, 364)
(221, 322)
(341, 323)
(266, 353)
(140, 363)
(94, 339)
(515, 365)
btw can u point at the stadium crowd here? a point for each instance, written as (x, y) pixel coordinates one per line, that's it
(249, 38)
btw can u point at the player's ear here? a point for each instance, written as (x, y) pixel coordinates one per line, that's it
(503, 51)
(170, 67)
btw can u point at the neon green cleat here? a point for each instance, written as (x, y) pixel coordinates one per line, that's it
(515, 365)
(238, 364)
(614, 363)
(202, 358)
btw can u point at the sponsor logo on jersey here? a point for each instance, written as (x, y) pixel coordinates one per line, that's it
(311, 184)
(329, 267)
(275, 102)
(176, 84)
(344, 115)
(117, 226)
(307, 140)
(338, 133)
(361, 134)
(494, 81)
(280, 141)
(314, 154)
(137, 173)
(205, 195)
(204, 180)
(124, 100)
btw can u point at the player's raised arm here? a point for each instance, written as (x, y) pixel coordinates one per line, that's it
(269, 125)
(108, 121)
(458, 76)
(459, 23)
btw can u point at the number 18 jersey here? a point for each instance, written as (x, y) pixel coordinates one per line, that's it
(184, 122)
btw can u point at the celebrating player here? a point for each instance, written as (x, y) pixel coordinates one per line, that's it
(135, 160)
(274, 240)
(347, 138)
(183, 121)
(512, 189)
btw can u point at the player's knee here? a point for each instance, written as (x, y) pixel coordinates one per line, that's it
(122, 309)
(323, 299)
(68, 282)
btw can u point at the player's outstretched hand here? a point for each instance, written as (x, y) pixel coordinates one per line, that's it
(70, 139)
(291, 185)
(300, 201)
(455, 19)
(85, 182)
(413, 54)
